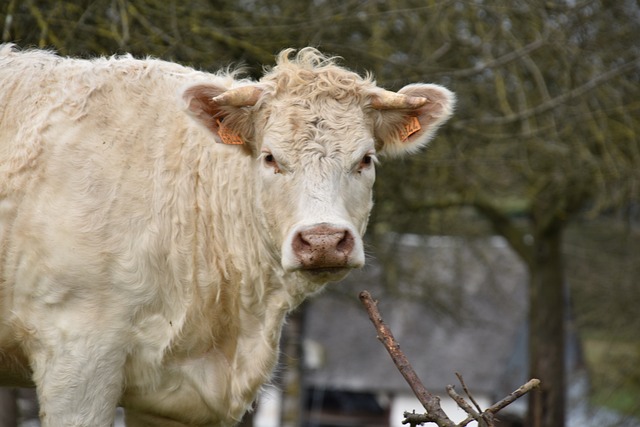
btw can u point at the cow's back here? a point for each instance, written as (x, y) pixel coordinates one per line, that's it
(106, 109)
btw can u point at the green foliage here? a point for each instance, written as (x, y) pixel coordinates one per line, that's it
(614, 373)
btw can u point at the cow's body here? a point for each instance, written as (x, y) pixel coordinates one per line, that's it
(144, 264)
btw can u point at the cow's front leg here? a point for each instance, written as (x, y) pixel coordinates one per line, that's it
(79, 381)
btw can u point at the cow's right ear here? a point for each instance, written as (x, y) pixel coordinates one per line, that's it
(223, 111)
(407, 120)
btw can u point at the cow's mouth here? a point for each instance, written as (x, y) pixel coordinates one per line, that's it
(326, 274)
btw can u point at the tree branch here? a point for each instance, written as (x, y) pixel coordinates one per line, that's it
(497, 62)
(43, 25)
(467, 392)
(558, 100)
(506, 227)
(429, 401)
(514, 395)
(500, 220)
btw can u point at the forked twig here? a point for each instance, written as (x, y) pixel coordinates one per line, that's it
(429, 401)
(466, 391)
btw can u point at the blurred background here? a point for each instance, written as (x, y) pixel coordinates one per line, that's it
(509, 249)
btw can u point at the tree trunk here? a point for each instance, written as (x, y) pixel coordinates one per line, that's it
(547, 331)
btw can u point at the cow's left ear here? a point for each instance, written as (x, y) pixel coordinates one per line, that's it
(407, 120)
(223, 111)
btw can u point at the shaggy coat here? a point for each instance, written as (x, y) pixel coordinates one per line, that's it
(157, 223)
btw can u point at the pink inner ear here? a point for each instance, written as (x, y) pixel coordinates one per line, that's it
(200, 103)
(441, 101)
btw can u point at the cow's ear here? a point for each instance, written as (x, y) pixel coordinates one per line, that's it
(406, 121)
(223, 111)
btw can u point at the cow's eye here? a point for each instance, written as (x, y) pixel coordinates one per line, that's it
(270, 161)
(366, 162)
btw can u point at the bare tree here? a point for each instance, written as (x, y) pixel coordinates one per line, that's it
(547, 132)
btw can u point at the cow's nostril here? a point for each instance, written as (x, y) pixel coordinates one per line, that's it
(301, 243)
(346, 244)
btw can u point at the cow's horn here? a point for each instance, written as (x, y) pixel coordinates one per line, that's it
(244, 96)
(387, 100)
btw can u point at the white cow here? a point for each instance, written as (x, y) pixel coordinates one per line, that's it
(157, 223)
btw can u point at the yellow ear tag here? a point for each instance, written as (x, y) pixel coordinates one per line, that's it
(228, 136)
(411, 127)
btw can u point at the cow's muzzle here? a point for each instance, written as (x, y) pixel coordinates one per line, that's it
(326, 250)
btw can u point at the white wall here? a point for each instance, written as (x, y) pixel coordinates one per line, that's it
(268, 412)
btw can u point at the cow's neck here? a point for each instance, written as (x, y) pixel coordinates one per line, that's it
(233, 295)
(247, 293)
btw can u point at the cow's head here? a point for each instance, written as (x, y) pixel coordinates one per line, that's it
(315, 131)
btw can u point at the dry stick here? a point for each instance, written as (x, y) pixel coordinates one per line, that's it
(430, 402)
(514, 395)
(466, 390)
(484, 419)
(463, 403)
(496, 407)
